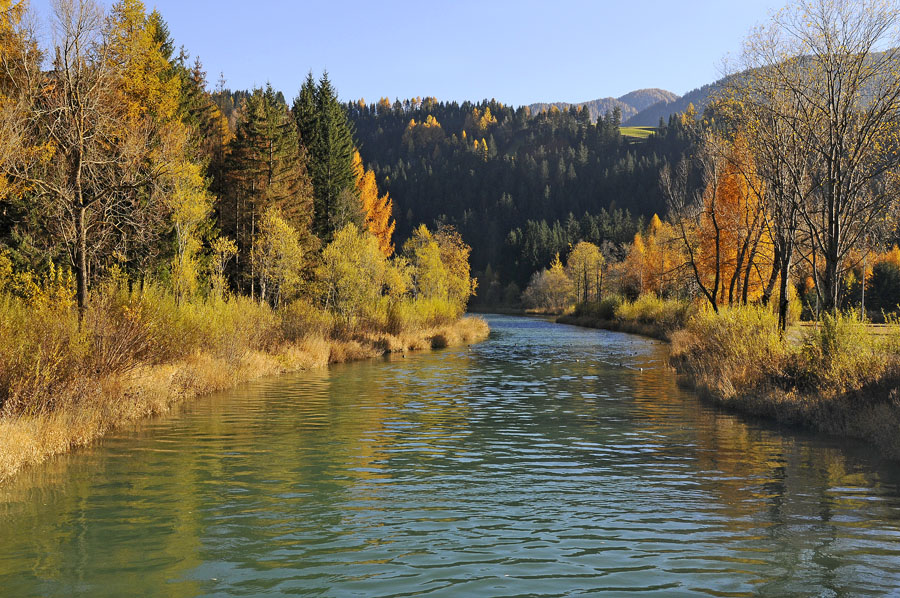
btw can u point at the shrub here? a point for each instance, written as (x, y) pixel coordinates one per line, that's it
(729, 352)
(605, 310)
(669, 314)
(843, 353)
(300, 319)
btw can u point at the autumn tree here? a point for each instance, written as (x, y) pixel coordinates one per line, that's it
(145, 83)
(440, 263)
(654, 261)
(550, 289)
(584, 268)
(692, 206)
(223, 250)
(848, 122)
(277, 257)
(79, 113)
(733, 237)
(19, 78)
(353, 273)
(377, 208)
(765, 111)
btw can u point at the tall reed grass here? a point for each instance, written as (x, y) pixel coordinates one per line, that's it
(66, 380)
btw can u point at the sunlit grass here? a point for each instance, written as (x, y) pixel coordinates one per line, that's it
(137, 354)
(637, 132)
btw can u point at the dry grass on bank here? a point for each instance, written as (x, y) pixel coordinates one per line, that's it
(842, 378)
(136, 355)
(648, 315)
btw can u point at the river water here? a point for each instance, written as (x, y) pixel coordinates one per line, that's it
(547, 461)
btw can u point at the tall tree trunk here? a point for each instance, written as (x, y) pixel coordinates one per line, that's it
(773, 276)
(82, 272)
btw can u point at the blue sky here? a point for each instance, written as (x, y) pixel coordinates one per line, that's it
(517, 52)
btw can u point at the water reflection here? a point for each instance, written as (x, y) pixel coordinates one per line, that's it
(547, 461)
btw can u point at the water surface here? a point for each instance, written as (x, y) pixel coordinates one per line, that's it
(547, 461)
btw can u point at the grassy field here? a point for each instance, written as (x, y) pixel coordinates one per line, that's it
(637, 132)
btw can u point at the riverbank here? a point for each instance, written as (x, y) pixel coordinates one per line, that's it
(841, 377)
(63, 386)
(647, 316)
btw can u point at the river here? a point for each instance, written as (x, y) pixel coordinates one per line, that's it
(547, 461)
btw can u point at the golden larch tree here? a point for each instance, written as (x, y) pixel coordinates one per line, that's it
(378, 208)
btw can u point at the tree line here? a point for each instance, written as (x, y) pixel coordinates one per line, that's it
(118, 163)
(520, 186)
(787, 193)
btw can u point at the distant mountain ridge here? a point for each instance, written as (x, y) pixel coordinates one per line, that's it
(649, 116)
(631, 104)
(643, 107)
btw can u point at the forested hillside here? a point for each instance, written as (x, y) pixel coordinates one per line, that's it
(520, 187)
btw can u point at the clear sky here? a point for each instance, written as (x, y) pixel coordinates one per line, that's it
(518, 52)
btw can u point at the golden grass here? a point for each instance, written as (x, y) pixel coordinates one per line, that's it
(648, 315)
(149, 389)
(842, 378)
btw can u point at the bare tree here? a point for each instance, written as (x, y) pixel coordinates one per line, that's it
(688, 201)
(768, 112)
(836, 62)
(93, 178)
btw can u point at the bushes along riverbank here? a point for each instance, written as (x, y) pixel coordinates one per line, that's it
(142, 353)
(840, 376)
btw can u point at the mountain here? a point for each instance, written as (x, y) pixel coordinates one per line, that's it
(644, 98)
(631, 104)
(649, 116)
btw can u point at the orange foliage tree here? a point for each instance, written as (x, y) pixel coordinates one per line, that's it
(735, 248)
(377, 208)
(654, 261)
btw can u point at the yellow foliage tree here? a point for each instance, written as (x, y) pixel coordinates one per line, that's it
(378, 208)
(440, 263)
(277, 257)
(584, 268)
(550, 290)
(145, 83)
(353, 272)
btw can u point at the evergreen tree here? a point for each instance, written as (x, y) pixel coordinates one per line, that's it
(329, 140)
(266, 168)
(304, 111)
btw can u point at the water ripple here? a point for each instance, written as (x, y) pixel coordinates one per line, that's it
(548, 461)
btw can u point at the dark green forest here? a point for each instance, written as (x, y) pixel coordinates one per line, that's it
(520, 187)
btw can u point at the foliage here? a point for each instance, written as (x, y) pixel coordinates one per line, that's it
(843, 353)
(584, 268)
(353, 273)
(277, 257)
(377, 208)
(669, 314)
(550, 290)
(440, 263)
(732, 351)
(326, 134)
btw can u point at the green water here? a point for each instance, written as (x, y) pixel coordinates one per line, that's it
(547, 461)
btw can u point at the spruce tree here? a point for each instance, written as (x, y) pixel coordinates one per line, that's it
(266, 167)
(326, 133)
(304, 111)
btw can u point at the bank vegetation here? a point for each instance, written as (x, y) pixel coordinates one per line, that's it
(153, 249)
(775, 272)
